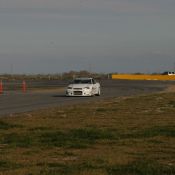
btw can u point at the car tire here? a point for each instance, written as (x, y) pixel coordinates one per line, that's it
(99, 92)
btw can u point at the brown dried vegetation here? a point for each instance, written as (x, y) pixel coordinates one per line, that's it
(133, 136)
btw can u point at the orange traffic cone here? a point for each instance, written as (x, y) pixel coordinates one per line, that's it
(24, 86)
(1, 87)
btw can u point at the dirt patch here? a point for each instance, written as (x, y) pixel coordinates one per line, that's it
(170, 88)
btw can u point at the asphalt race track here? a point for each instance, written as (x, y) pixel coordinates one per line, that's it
(17, 101)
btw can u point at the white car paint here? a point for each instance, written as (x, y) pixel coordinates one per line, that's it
(83, 87)
(171, 73)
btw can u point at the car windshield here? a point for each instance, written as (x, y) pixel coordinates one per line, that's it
(82, 81)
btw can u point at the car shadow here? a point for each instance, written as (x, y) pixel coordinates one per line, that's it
(63, 96)
(56, 96)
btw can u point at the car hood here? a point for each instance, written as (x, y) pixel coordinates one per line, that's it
(80, 85)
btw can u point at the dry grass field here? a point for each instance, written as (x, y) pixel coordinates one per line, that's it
(131, 135)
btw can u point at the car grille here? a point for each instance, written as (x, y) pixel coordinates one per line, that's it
(77, 92)
(77, 88)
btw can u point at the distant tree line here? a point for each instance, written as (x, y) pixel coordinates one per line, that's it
(57, 76)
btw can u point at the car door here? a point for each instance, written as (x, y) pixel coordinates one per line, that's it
(95, 86)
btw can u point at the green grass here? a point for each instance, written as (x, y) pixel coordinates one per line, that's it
(102, 110)
(172, 103)
(167, 131)
(17, 140)
(141, 167)
(6, 165)
(6, 126)
(64, 169)
(81, 137)
(75, 138)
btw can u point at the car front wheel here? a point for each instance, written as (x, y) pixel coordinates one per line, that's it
(99, 92)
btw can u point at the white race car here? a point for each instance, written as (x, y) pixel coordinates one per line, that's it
(83, 87)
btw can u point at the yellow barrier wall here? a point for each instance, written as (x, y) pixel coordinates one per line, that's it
(143, 77)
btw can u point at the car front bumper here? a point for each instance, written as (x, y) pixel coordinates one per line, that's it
(78, 92)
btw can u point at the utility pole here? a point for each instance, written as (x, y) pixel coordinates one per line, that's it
(90, 68)
(11, 69)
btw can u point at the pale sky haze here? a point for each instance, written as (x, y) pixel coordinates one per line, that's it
(53, 36)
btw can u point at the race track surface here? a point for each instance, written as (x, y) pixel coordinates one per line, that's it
(17, 101)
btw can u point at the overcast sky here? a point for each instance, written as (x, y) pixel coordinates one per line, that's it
(50, 36)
